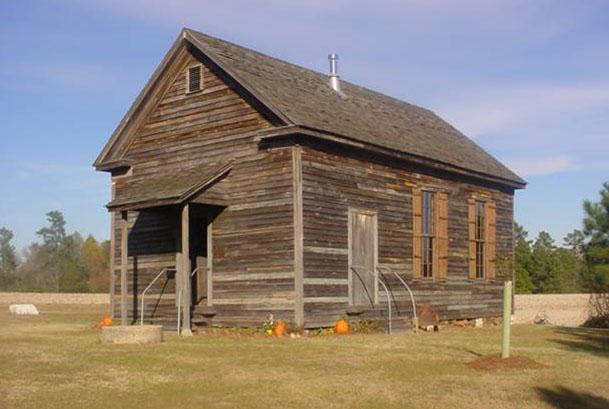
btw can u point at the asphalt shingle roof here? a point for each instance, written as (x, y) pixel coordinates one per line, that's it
(169, 188)
(305, 98)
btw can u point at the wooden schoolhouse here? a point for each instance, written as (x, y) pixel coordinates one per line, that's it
(243, 185)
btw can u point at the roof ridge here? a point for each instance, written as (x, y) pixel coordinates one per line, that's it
(311, 70)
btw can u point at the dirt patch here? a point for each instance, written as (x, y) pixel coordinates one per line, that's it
(494, 362)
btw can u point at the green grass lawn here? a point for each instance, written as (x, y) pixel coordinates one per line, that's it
(56, 360)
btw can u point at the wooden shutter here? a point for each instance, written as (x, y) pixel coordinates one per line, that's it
(471, 222)
(441, 235)
(417, 231)
(491, 229)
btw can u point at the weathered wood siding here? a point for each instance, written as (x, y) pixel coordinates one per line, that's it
(333, 183)
(252, 238)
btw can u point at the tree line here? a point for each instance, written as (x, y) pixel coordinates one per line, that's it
(59, 262)
(580, 265)
(69, 263)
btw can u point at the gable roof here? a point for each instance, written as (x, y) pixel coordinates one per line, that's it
(167, 189)
(299, 96)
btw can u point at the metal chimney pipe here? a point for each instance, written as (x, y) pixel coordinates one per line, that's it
(334, 78)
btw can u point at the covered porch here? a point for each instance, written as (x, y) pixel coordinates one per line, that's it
(162, 244)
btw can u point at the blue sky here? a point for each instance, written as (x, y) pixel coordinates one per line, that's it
(528, 81)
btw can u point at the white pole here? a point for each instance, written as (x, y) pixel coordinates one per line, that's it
(507, 317)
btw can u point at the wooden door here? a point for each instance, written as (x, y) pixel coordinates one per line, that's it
(362, 257)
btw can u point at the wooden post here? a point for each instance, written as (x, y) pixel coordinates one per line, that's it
(210, 265)
(124, 255)
(507, 317)
(112, 250)
(185, 270)
(298, 236)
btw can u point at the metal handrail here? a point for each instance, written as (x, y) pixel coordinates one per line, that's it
(195, 270)
(386, 293)
(414, 307)
(163, 271)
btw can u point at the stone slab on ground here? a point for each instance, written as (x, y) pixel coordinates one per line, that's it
(23, 309)
(132, 334)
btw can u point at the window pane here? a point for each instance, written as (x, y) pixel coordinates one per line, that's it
(480, 260)
(428, 230)
(427, 259)
(428, 227)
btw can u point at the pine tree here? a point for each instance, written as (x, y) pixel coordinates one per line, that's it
(56, 264)
(8, 261)
(596, 249)
(522, 255)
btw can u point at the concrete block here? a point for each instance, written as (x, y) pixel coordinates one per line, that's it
(132, 334)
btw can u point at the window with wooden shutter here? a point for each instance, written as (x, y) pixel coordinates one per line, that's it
(430, 234)
(441, 235)
(194, 78)
(482, 239)
(490, 221)
(417, 205)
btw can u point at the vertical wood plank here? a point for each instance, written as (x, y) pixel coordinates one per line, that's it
(124, 255)
(442, 235)
(178, 276)
(350, 217)
(210, 264)
(112, 250)
(298, 235)
(185, 268)
(417, 231)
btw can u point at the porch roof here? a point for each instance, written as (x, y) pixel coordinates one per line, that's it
(166, 189)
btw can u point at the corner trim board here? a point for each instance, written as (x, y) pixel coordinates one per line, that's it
(298, 235)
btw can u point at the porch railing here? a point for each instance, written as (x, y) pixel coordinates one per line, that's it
(376, 279)
(163, 271)
(415, 321)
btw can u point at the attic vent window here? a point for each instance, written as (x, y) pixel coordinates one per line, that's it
(194, 79)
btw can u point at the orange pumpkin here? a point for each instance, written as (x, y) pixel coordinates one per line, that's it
(106, 321)
(341, 327)
(279, 329)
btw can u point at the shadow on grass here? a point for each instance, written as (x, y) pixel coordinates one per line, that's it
(593, 341)
(564, 398)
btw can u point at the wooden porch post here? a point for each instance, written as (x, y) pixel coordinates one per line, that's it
(112, 255)
(124, 255)
(185, 270)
